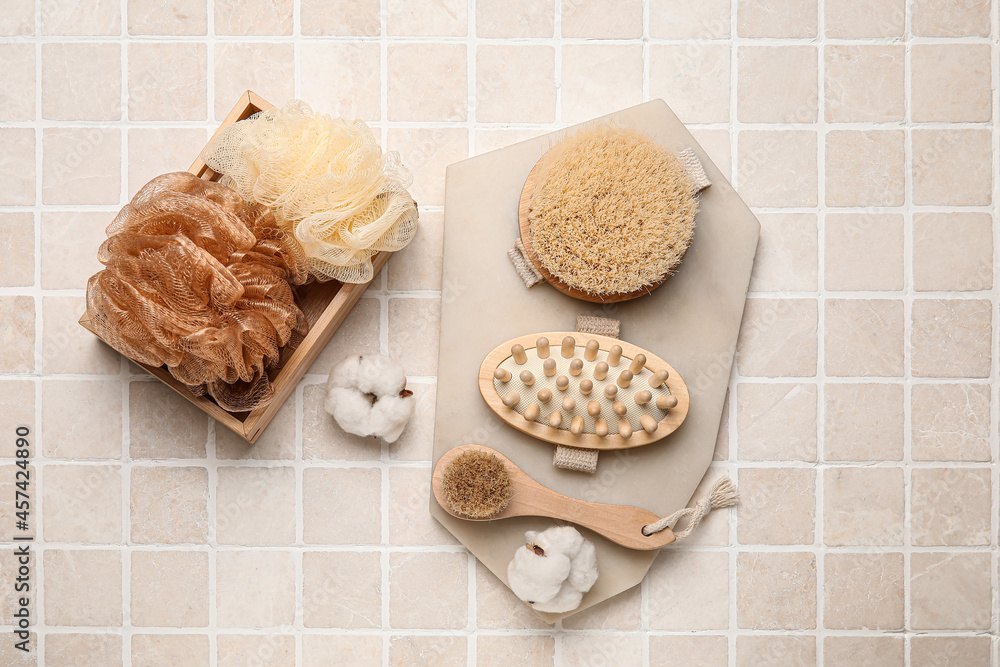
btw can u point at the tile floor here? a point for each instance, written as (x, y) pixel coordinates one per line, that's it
(862, 423)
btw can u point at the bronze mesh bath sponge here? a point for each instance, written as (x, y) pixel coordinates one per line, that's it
(613, 212)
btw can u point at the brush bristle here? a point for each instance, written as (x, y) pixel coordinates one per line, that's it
(477, 485)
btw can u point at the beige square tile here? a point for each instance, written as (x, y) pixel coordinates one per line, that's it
(18, 407)
(254, 589)
(82, 419)
(179, 17)
(776, 422)
(940, 18)
(17, 329)
(585, 650)
(427, 152)
(358, 334)
(950, 507)
(785, 650)
(950, 591)
(272, 76)
(622, 612)
(778, 338)
(342, 505)
(8, 486)
(777, 168)
(155, 151)
(930, 651)
(950, 422)
(9, 561)
(865, 168)
(693, 79)
(777, 84)
(169, 505)
(777, 18)
(64, 233)
(515, 84)
(497, 608)
(414, 327)
(243, 650)
(602, 19)
(776, 591)
(17, 236)
(598, 79)
(276, 443)
(500, 651)
(418, 265)
(777, 506)
(952, 251)
(863, 506)
(718, 146)
(81, 81)
(323, 439)
(428, 590)
(66, 346)
(169, 589)
(17, 166)
(951, 82)
(17, 82)
(82, 503)
(81, 165)
(688, 590)
(863, 591)
(951, 338)
(163, 425)
(847, 19)
(864, 82)
(446, 18)
(428, 82)
(952, 167)
(257, 17)
(409, 521)
(70, 649)
(351, 650)
(17, 658)
(255, 506)
(864, 251)
(96, 17)
(703, 650)
(864, 337)
(786, 253)
(434, 650)
(514, 18)
(82, 587)
(17, 18)
(341, 78)
(676, 19)
(167, 81)
(863, 651)
(339, 17)
(863, 422)
(155, 650)
(341, 590)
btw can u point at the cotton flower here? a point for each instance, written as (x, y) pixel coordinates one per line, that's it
(553, 570)
(367, 395)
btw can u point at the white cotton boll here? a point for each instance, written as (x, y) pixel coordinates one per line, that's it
(345, 374)
(554, 570)
(567, 599)
(351, 409)
(535, 578)
(366, 396)
(390, 414)
(583, 568)
(380, 375)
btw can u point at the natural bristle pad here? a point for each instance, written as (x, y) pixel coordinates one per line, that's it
(502, 375)
(615, 355)
(562, 383)
(619, 408)
(624, 428)
(576, 426)
(517, 351)
(648, 423)
(593, 408)
(637, 364)
(531, 412)
(528, 378)
(555, 419)
(601, 370)
(575, 367)
(549, 367)
(542, 347)
(590, 353)
(586, 386)
(658, 378)
(544, 395)
(511, 399)
(625, 379)
(600, 427)
(568, 347)
(569, 404)
(666, 402)
(477, 485)
(643, 397)
(611, 391)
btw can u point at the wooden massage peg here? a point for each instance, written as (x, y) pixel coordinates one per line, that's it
(638, 364)
(528, 378)
(590, 353)
(601, 370)
(568, 347)
(517, 350)
(542, 347)
(502, 375)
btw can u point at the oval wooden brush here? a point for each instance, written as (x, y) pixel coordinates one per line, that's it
(477, 483)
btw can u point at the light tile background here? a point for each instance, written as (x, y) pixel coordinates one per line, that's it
(862, 418)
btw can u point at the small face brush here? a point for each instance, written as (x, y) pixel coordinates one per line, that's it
(477, 483)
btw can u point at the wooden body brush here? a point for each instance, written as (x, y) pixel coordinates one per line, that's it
(477, 483)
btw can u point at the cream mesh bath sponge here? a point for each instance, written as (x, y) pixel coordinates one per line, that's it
(612, 211)
(327, 181)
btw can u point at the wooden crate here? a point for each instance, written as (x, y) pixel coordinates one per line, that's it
(325, 306)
